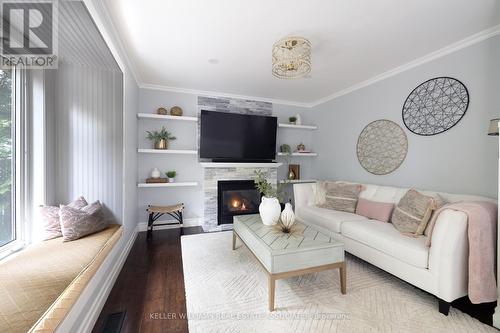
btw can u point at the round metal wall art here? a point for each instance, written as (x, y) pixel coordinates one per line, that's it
(382, 147)
(435, 106)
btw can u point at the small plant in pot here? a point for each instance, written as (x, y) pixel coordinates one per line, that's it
(269, 208)
(292, 120)
(160, 138)
(171, 176)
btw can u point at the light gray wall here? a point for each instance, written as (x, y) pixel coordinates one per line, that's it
(461, 160)
(187, 166)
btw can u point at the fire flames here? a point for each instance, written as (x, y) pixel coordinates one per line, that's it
(238, 204)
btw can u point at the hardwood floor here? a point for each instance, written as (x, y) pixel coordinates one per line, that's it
(150, 287)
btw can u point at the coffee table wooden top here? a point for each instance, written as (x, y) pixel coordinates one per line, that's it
(280, 252)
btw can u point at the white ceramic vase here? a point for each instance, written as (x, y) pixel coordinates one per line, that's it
(171, 180)
(299, 120)
(269, 210)
(155, 173)
(288, 216)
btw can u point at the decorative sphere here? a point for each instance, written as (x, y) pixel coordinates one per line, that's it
(162, 111)
(176, 111)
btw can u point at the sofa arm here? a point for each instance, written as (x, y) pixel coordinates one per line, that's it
(304, 194)
(449, 255)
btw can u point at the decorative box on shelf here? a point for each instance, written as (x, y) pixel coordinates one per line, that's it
(156, 180)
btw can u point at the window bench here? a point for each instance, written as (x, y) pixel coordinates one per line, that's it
(39, 285)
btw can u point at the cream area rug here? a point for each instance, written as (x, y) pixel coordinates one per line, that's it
(226, 291)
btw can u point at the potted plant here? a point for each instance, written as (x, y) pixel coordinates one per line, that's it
(160, 138)
(292, 120)
(269, 208)
(171, 176)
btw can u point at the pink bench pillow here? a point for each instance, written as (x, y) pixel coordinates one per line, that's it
(50, 218)
(380, 211)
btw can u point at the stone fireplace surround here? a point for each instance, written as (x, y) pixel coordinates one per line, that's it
(212, 175)
(242, 171)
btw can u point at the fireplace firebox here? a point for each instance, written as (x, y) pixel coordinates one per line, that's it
(236, 197)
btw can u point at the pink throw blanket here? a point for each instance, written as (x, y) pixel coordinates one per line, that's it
(482, 234)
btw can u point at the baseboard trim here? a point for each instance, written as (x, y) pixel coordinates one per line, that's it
(191, 222)
(95, 307)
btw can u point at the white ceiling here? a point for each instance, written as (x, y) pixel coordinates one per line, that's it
(171, 42)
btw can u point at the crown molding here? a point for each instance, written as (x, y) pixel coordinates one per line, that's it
(221, 94)
(457, 46)
(100, 14)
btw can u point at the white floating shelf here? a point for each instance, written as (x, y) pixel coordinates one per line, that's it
(166, 117)
(239, 165)
(168, 151)
(298, 181)
(308, 127)
(176, 184)
(299, 154)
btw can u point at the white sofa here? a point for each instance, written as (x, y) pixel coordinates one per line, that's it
(440, 269)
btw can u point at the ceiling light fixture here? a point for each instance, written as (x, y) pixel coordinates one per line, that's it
(291, 57)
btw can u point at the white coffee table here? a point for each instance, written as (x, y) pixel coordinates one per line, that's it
(283, 255)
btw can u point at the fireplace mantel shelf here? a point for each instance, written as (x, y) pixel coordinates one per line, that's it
(240, 165)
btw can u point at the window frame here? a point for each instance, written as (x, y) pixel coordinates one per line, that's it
(20, 157)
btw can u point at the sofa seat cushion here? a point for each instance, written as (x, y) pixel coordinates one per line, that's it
(384, 237)
(326, 218)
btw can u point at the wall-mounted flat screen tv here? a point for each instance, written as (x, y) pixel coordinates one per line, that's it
(237, 137)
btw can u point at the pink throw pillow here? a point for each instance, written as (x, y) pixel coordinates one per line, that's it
(50, 218)
(380, 211)
(76, 223)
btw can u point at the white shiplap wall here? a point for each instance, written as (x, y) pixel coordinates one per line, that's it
(89, 135)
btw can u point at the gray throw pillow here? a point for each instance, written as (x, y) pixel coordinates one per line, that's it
(342, 196)
(412, 213)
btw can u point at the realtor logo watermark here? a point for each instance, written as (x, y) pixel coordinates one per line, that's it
(29, 33)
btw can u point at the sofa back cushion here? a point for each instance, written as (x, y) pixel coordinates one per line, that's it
(380, 211)
(341, 196)
(379, 193)
(438, 203)
(413, 212)
(393, 194)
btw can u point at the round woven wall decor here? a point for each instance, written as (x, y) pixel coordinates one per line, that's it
(435, 106)
(382, 147)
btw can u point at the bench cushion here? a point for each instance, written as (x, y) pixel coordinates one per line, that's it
(382, 236)
(326, 218)
(39, 285)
